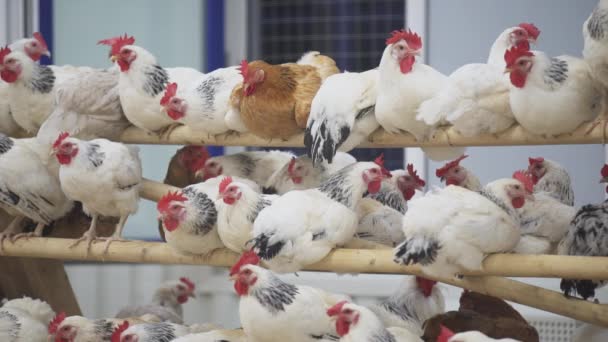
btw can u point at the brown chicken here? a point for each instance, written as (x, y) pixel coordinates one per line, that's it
(182, 169)
(489, 315)
(274, 100)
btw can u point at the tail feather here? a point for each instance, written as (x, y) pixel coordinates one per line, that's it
(265, 250)
(324, 145)
(584, 288)
(417, 250)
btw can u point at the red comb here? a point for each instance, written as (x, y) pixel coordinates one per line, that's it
(514, 53)
(248, 258)
(292, 164)
(445, 334)
(3, 52)
(224, 184)
(118, 331)
(163, 204)
(188, 283)
(60, 139)
(38, 36)
(169, 93)
(526, 179)
(605, 171)
(414, 174)
(117, 43)
(533, 161)
(380, 162)
(55, 322)
(336, 309)
(532, 30)
(244, 68)
(412, 39)
(440, 172)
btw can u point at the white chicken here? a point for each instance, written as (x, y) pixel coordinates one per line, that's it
(151, 332)
(551, 96)
(273, 310)
(300, 173)
(552, 178)
(25, 320)
(105, 176)
(189, 219)
(465, 225)
(203, 106)
(31, 87)
(35, 47)
(82, 329)
(415, 300)
(39, 196)
(142, 81)
(452, 173)
(355, 323)
(468, 336)
(257, 166)
(398, 189)
(341, 115)
(237, 335)
(475, 99)
(302, 226)
(595, 34)
(237, 210)
(166, 303)
(403, 85)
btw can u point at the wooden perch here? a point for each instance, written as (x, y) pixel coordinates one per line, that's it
(363, 261)
(515, 135)
(153, 191)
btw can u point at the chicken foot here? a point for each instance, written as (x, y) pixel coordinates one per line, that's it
(165, 132)
(11, 230)
(36, 233)
(117, 236)
(89, 236)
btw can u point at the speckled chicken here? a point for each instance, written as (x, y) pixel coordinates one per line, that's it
(25, 320)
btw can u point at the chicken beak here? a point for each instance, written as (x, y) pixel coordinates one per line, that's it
(160, 217)
(192, 295)
(52, 153)
(113, 58)
(604, 180)
(199, 174)
(507, 70)
(234, 277)
(47, 53)
(529, 197)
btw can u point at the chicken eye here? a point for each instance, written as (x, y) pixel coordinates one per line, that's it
(65, 328)
(247, 272)
(522, 63)
(517, 187)
(348, 311)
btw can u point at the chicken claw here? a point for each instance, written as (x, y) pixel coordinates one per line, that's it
(165, 132)
(10, 231)
(36, 233)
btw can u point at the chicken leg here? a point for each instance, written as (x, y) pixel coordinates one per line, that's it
(36, 233)
(117, 236)
(12, 228)
(89, 236)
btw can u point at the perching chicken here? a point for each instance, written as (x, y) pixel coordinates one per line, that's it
(237, 210)
(82, 329)
(551, 96)
(478, 312)
(273, 310)
(302, 226)
(35, 48)
(274, 100)
(142, 82)
(415, 300)
(256, 165)
(397, 190)
(237, 335)
(379, 223)
(204, 105)
(403, 85)
(300, 173)
(471, 336)
(189, 219)
(182, 169)
(87, 107)
(595, 34)
(166, 303)
(475, 99)
(464, 227)
(25, 320)
(153, 332)
(341, 115)
(355, 323)
(105, 176)
(38, 196)
(552, 178)
(452, 173)
(587, 236)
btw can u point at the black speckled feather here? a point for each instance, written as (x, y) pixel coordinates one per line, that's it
(275, 296)
(556, 73)
(43, 79)
(156, 80)
(206, 216)
(597, 24)
(338, 187)
(6, 144)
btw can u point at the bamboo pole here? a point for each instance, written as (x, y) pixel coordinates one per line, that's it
(515, 135)
(342, 261)
(153, 191)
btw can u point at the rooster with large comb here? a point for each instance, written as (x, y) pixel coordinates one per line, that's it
(302, 226)
(274, 100)
(454, 229)
(273, 310)
(403, 84)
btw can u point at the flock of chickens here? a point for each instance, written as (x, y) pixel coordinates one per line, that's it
(286, 211)
(271, 309)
